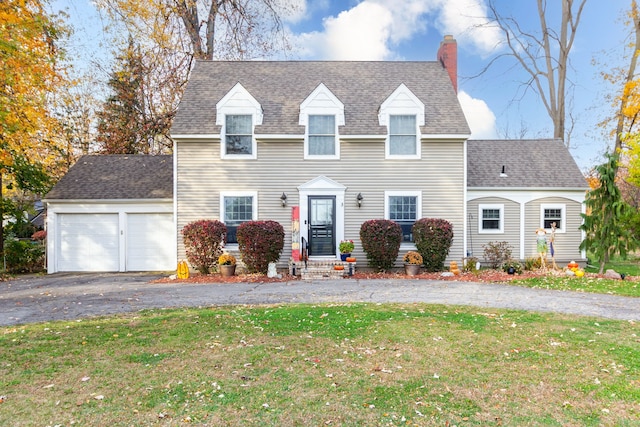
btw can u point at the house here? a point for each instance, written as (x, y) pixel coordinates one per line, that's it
(321, 147)
(515, 187)
(112, 213)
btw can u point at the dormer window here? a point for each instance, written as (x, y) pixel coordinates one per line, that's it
(238, 112)
(403, 114)
(321, 113)
(322, 135)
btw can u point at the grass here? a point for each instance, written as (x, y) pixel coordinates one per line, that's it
(630, 288)
(343, 365)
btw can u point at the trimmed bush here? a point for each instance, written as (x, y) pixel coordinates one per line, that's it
(203, 242)
(23, 256)
(497, 253)
(433, 238)
(381, 242)
(260, 242)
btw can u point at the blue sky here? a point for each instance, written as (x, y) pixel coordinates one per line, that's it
(495, 103)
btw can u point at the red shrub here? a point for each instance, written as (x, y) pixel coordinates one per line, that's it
(203, 242)
(260, 242)
(381, 241)
(433, 238)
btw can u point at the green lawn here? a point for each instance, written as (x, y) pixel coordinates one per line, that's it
(318, 365)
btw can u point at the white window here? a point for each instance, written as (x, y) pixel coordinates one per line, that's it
(238, 135)
(321, 136)
(404, 207)
(237, 113)
(403, 114)
(321, 113)
(236, 208)
(491, 219)
(403, 140)
(550, 213)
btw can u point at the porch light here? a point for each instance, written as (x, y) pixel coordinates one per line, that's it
(359, 199)
(283, 199)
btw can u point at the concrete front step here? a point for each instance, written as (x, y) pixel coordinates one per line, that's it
(321, 269)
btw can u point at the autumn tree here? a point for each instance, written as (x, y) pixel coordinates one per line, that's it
(544, 54)
(30, 72)
(127, 123)
(607, 217)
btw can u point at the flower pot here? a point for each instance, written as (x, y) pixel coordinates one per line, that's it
(343, 257)
(411, 269)
(511, 270)
(227, 270)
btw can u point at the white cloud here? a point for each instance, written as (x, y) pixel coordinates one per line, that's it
(369, 30)
(481, 119)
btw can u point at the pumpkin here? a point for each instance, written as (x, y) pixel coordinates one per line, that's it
(572, 265)
(579, 273)
(183, 270)
(351, 259)
(338, 267)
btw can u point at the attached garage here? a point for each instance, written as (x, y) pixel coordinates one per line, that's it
(112, 213)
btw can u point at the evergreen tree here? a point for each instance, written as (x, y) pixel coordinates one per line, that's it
(605, 222)
(126, 124)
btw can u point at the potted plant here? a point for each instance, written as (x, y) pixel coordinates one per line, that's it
(412, 262)
(227, 264)
(346, 247)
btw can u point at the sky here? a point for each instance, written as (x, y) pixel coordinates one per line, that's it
(496, 102)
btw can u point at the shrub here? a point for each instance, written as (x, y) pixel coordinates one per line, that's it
(433, 238)
(203, 242)
(512, 263)
(532, 263)
(381, 242)
(22, 256)
(470, 265)
(497, 253)
(260, 242)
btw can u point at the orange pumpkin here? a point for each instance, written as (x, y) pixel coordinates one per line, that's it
(351, 259)
(338, 267)
(572, 265)
(183, 270)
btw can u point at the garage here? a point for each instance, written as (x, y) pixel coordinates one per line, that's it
(112, 213)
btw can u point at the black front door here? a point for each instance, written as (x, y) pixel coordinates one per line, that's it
(322, 225)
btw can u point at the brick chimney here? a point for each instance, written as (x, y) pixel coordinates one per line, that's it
(448, 57)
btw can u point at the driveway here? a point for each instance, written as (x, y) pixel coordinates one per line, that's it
(72, 296)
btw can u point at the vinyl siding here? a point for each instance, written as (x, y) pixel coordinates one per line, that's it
(511, 226)
(567, 243)
(362, 168)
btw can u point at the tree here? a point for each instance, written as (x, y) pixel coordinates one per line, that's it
(170, 34)
(544, 55)
(31, 71)
(607, 216)
(127, 124)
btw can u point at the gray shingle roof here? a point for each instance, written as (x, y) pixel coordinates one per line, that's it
(113, 177)
(281, 86)
(536, 163)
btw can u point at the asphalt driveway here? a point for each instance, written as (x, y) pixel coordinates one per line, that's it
(72, 296)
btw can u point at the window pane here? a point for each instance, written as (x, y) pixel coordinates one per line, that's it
(491, 219)
(322, 125)
(236, 211)
(402, 135)
(403, 210)
(552, 215)
(239, 134)
(322, 139)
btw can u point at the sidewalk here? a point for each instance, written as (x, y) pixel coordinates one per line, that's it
(72, 296)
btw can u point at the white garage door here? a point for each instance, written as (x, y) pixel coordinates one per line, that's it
(88, 242)
(150, 242)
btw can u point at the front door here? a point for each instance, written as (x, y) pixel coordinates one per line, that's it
(322, 225)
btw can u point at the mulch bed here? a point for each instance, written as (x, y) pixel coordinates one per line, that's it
(486, 276)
